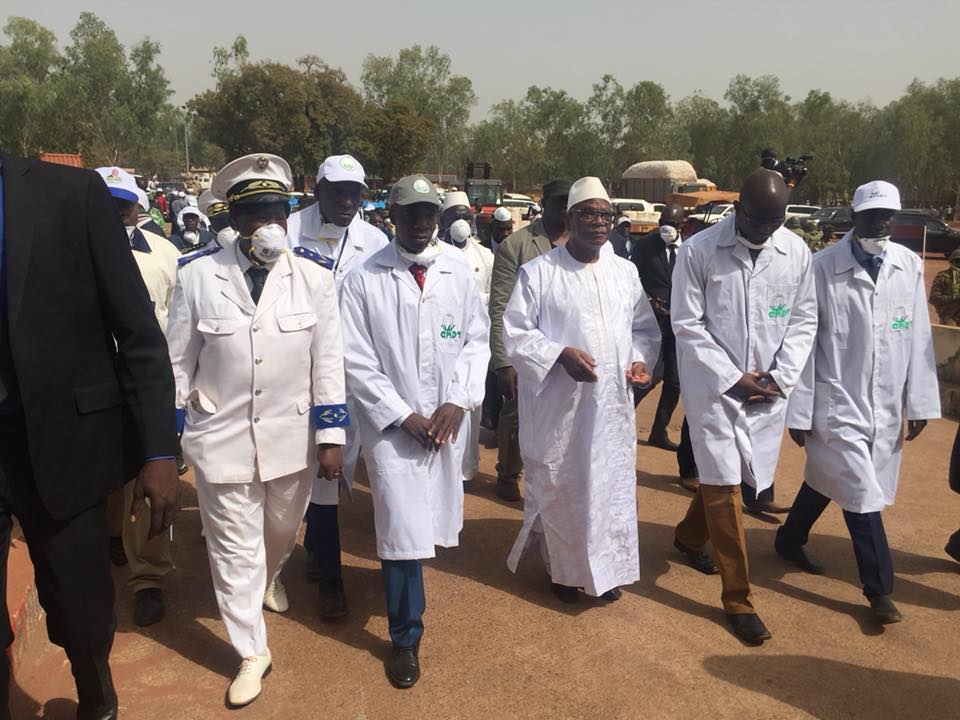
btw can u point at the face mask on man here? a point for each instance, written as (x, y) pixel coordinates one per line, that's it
(875, 245)
(267, 243)
(425, 256)
(669, 234)
(752, 245)
(191, 237)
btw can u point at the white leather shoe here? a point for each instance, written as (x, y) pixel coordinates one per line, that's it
(275, 598)
(246, 685)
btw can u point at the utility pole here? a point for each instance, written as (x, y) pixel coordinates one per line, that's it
(186, 137)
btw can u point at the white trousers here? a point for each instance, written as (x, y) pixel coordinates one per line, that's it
(251, 529)
(471, 453)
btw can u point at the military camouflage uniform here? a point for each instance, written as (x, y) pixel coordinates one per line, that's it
(945, 292)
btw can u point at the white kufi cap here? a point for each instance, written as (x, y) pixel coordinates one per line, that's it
(502, 214)
(586, 188)
(455, 198)
(876, 194)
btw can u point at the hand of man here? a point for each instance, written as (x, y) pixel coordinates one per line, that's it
(507, 382)
(578, 364)
(445, 423)
(418, 427)
(330, 458)
(750, 389)
(914, 428)
(799, 436)
(638, 374)
(157, 482)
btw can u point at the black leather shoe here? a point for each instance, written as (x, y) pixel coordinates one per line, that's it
(509, 490)
(798, 556)
(148, 607)
(749, 628)
(771, 508)
(117, 554)
(663, 442)
(567, 594)
(97, 700)
(332, 601)
(612, 595)
(403, 666)
(884, 610)
(698, 559)
(182, 466)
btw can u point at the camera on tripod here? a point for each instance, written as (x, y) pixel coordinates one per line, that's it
(792, 169)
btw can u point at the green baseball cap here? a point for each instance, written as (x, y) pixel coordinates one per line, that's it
(413, 189)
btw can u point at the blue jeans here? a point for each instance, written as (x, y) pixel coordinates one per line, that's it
(406, 602)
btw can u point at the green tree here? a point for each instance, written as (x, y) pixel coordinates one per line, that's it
(422, 79)
(26, 101)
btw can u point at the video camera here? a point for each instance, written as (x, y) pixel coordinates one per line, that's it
(792, 169)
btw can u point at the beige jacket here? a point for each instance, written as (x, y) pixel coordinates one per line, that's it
(521, 247)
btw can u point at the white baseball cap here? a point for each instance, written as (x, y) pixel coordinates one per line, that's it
(342, 168)
(586, 188)
(120, 183)
(143, 200)
(876, 194)
(455, 198)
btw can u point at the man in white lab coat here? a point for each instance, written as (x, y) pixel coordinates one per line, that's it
(873, 360)
(332, 233)
(416, 351)
(580, 332)
(744, 312)
(254, 339)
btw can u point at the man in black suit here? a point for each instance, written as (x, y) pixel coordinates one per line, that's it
(655, 254)
(86, 402)
(619, 237)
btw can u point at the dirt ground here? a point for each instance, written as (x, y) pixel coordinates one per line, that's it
(499, 645)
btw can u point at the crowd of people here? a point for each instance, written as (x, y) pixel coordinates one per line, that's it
(270, 350)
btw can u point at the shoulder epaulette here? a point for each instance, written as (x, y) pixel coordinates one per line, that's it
(314, 256)
(190, 257)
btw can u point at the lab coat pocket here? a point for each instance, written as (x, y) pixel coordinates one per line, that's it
(900, 319)
(293, 322)
(779, 303)
(449, 336)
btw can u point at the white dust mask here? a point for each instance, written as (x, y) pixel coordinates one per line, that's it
(874, 246)
(227, 236)
(424, 257)
(752, 245)
(669, 234)
(268, 243)
(460, 232)
(191, 237)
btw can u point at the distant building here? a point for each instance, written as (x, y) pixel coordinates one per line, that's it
(70, 159)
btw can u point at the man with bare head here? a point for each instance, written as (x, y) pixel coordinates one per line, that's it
(744, 312)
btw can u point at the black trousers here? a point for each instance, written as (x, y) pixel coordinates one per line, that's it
(70, 557)
(750, 494)
(866, 530)
(685, 459)
(321, 539)
(666, 370)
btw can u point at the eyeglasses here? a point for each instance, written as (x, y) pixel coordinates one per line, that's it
(594, 215)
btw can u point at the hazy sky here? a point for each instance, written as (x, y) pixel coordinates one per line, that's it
(853, 48)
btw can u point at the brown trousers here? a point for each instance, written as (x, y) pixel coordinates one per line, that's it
(148, 560)
(509, 462)
(715, 514)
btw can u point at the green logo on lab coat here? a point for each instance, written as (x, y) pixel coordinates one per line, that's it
(448, 328)
(778, 309)
(900, 321)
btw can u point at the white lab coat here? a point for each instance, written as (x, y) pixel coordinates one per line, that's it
(578, 440)
(360, 241)
(729, 317)
(407, 351)
(248, 375)
(480, 260)
(873, 359)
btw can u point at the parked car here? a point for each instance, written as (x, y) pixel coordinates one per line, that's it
(908, 230)
(711, 213)
(840, 218)
(801, 211)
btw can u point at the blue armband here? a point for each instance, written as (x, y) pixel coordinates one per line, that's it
(329, 416)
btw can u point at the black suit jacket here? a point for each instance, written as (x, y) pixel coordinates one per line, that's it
(649, 254)
(91, 362)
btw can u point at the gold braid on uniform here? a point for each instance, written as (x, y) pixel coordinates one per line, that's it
(256, 186)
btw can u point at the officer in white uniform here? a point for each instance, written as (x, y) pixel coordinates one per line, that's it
(872, 363)
(254, 339)
(332, 233)
(416, 352)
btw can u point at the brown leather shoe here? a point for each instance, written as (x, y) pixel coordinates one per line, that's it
(771, 508)
(692, 483)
